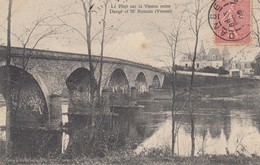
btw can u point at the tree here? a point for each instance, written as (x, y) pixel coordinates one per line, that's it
(32, 36)
(256, 36)
(90, 9)
(222, 70)
(172, 39)
(34, 33)
(256, 29)
(256, 64)
(94, 83)
(8, 63)
(196, 20)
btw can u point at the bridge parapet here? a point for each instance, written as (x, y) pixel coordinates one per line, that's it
(56, 55)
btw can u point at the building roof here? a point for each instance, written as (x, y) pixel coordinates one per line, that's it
(214, 55)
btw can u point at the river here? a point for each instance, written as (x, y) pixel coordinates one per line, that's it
(236, 133)
(218, 131)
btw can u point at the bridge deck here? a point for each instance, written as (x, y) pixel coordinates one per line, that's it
(57, 55)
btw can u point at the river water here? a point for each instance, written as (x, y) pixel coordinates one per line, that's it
(218, 131)
(236, 133)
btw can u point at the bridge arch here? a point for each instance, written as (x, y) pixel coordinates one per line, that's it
(118, 81)
(28, 103)
(78, 85)
(28, 111)
(141, 83)
(156, 82)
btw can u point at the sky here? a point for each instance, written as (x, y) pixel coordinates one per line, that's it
(131, 36)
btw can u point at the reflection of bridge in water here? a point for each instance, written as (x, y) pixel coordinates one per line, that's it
(36, 91)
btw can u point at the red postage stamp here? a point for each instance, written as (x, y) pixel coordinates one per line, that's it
(230, 21)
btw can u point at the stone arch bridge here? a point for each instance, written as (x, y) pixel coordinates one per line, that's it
(51, 70)
(48, 75)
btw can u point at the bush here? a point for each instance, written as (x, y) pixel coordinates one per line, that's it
(2, 148)
(223, 71)
(209, 69)
(156, 152)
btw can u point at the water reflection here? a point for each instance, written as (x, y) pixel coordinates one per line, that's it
(65, 137)
(217, 132)
(2, 122)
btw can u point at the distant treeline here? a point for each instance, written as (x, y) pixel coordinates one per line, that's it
(209, 81)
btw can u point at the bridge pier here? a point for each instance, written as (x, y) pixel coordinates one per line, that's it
(55, 112)
(134, 92)
(151, 90)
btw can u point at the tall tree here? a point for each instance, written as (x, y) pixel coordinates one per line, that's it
(8, 63)
(90, 10)
(172, 39)
(256, 27)
(196, 21)
(256, 37)
(30, 36)
(102, 45)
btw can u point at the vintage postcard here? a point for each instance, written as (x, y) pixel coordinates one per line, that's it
(130, 82)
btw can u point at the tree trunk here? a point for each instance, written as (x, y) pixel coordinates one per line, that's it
(174, 73)
(88, 22)
(173, 115)
(192, 120)
(192, 134)
(101, 56)
(8, 85)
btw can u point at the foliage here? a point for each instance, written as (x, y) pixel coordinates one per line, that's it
(209, 69)
(223, 71)
(129, 158)
(2, 148)
(256, 64)
(156, 152)
(177, 67)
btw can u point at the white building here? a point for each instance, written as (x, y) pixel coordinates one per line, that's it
(241, 68)
(213, 58)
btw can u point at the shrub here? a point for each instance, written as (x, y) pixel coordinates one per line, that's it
(2, 148)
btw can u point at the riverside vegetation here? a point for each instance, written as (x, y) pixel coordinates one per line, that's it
(155, 156)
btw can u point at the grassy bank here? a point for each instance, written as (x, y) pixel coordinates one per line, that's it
(143, 160)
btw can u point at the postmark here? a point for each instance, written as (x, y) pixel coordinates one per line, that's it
(230, 21)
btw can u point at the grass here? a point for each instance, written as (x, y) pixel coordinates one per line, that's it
(143, 160)
(127, 157)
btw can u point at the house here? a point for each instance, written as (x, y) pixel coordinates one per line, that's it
(241, 68)
(238, 65)
(214, 58)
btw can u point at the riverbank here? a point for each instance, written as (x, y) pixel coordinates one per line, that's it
(143, 160)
